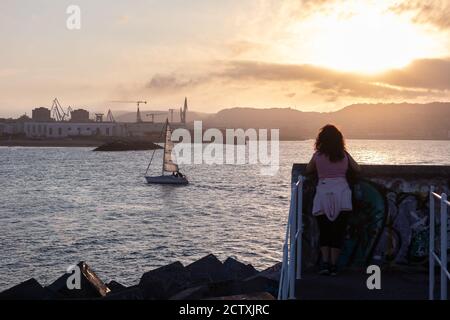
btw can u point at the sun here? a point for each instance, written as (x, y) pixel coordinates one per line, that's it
(366, 39)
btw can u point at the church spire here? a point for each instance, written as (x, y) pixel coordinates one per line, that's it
(138, 115)
(185, 110)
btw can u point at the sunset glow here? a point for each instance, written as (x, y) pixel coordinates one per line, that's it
(309, 55)
(365, 41)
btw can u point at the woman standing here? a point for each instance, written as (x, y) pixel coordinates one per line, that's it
(333, 199)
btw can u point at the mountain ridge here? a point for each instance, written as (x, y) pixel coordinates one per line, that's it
(360, 121)
(380, 121)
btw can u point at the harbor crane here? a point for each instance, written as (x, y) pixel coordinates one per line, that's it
(138, 103)
(58, 112)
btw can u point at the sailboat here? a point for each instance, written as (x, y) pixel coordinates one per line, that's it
(168, 166)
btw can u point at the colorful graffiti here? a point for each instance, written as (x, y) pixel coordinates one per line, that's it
(389, 223)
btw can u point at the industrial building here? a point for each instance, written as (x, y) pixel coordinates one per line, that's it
(41, 115)
(70, 129)
(43, 125)
(13, 127)
(79, 115)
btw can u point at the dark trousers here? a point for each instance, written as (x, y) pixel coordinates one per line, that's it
(332, 233)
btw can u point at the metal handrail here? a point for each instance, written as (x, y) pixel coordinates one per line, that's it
(439, 197)
(433, 257)
(291, 267)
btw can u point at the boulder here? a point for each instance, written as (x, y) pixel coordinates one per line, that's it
(193, 293)
(260, 284)
(209, 290)
(228, 288)
(207, 269)
(130, 293)
(115, 286)
(272, 273)
(27, 290)
(91, 286)
(128, 145)
(165, 281)
(236, 270)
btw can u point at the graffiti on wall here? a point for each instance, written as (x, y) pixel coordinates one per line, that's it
(389, 223)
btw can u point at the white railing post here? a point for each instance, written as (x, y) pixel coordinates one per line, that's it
(299, 234)
(444, 245)
(431, 262)
(292, 245)
(283, 286)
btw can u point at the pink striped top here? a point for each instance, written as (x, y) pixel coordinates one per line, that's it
(328, 169)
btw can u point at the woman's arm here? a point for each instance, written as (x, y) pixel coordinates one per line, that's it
(353, 164)
(311, 167)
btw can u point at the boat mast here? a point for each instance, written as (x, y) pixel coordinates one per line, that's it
(151, 159)
(153, 153)
(165, 142)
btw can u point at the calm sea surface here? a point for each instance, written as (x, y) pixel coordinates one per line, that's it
(62, 205)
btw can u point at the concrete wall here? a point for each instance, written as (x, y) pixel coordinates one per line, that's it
(11, 128)
(68, 129)
(390, 219)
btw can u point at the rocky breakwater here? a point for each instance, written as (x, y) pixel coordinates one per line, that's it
(206, 278)
(128, 145)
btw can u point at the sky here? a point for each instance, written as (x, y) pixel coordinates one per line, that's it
(312, 55)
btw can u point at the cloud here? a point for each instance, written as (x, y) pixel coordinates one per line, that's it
(240, 47)
(304, 8)
(422, 78)
(172, 82)
(257, 70)
(414, 80)
(435, 12)
(424, 73)
(290, 95)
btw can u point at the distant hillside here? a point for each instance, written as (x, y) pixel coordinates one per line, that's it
(368, 121)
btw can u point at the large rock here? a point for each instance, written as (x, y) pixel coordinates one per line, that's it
(193, 293)
(272, 273)
(207, 269)
(130, 293)
(209, 290)
(91, 286)
(237, 270)
(228, 288)
(27, 290)
(128, 145)
(115, 286)
(164, 282)
(260, 284)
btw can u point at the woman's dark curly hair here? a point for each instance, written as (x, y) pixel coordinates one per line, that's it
(330, 142)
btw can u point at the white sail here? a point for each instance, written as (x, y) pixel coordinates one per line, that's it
(168, 164)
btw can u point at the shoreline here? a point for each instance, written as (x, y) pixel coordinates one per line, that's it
(51, 143)
(61, 143)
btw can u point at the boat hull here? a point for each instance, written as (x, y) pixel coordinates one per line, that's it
(167, 180)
